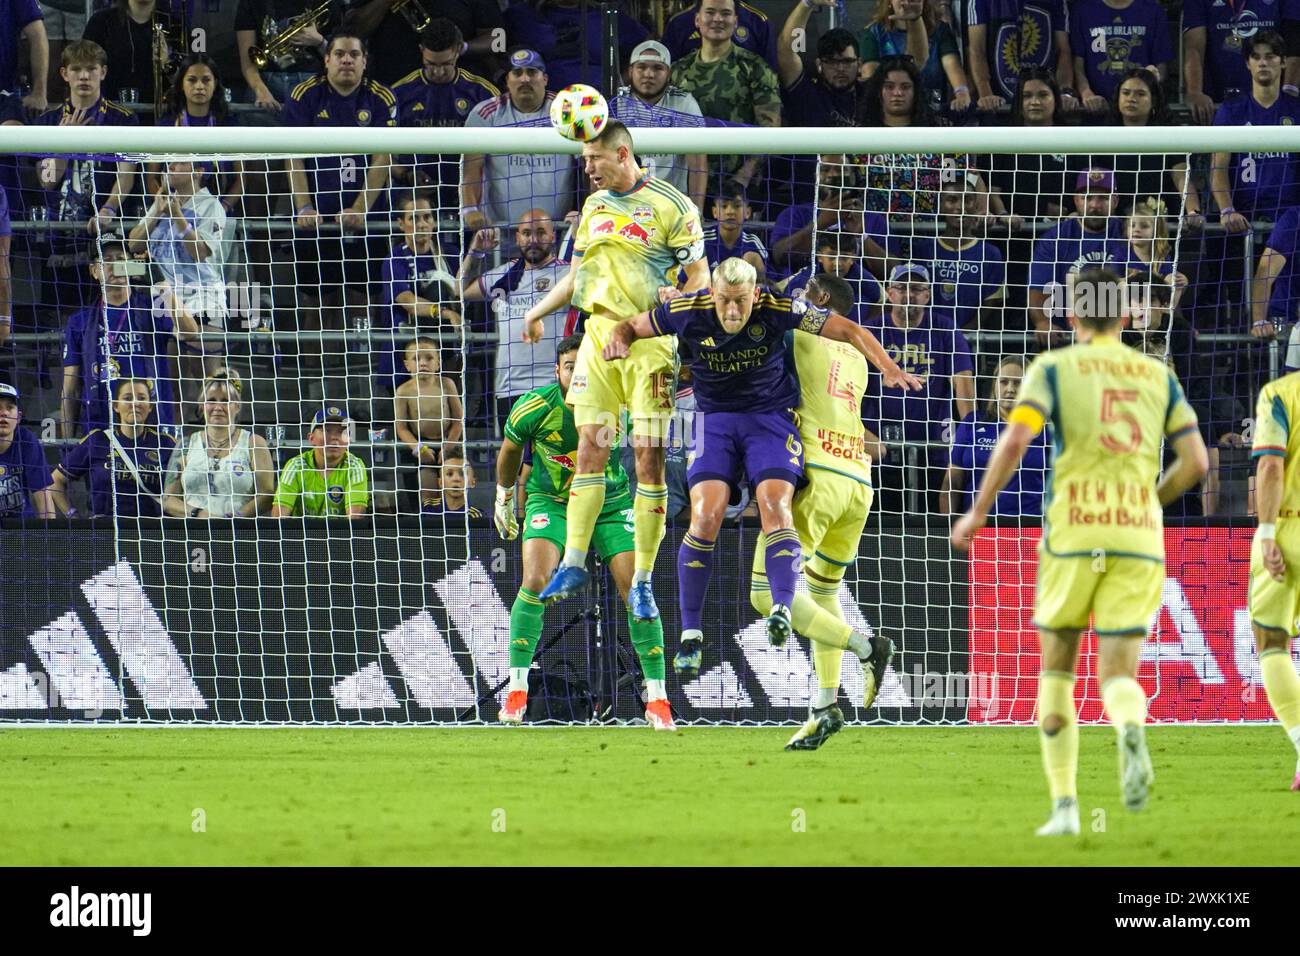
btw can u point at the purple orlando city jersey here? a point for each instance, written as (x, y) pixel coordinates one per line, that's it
(1263, 184)
(23, 472)
(745, 372)
(1111, 42)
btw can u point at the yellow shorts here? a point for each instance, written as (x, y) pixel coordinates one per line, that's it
(829, 515)
(1273, 604)
(642, 383)
(1122, 598)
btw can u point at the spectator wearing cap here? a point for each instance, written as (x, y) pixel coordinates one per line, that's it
(1093, 237)
(916, 427)
(651, 100)
(1111, 37)
(326, 480)
(390, 38)
(24, 475)
(753, 31)
(554, 30)
(499, 188)
(183, 231)
(1258, 185)
(125, 464)
(121, 336)
(729, 83)
(828, 97)
(222, 470)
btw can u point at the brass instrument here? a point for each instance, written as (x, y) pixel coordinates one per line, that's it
(413, 13)
(170, 45)
(277, 45)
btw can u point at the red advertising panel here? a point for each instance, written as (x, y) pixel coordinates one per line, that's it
(1199, 664)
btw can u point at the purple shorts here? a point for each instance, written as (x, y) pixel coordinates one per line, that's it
(733, 446)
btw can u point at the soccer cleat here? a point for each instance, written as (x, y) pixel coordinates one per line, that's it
(513, 711)
(819, 726)
(873, 668)
(660, 715)
(641, 602)
(566, 582)
(688, 659)
(1135, 773)
(1064, 820)
(778, 625)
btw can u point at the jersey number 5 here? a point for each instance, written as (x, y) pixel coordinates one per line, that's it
(1111, 398)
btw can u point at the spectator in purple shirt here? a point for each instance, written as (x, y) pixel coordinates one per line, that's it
(916, 427)
(24, 475)
(1111, 37)
(1214, 34)
(22, 19)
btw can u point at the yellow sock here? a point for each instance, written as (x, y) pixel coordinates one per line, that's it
(586, 501)
(817, 616)
(1282, 685)
(1125, 702)
(650, 514)
(828, 661)
(1061, 749)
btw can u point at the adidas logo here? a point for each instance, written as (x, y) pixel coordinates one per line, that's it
(785, 553)
(695, 564)
(709, 343)
(554, 436)
(75, 676)
(323, 114)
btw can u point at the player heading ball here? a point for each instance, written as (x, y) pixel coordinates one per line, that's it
(1102, 553)
(635, 233)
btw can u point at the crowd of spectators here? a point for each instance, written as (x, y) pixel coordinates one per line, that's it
(957, 262)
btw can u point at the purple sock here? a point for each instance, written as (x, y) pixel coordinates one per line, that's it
(694, 565)
(784, 558)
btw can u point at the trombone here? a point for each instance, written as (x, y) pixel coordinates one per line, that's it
(413, 13)
(277, 45)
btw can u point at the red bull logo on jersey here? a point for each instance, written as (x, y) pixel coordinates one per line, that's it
(636, 232)
(565, 461)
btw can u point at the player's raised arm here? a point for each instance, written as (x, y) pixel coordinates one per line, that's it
(559, 297)
(625, 333)
(840, 329)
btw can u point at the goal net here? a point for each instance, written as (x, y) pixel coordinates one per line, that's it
(267, 387)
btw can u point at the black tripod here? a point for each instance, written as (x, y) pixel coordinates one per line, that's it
(606, 656)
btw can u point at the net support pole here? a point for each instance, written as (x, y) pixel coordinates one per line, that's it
(609, 48)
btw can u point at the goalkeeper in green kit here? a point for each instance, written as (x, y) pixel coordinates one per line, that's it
(542, 418)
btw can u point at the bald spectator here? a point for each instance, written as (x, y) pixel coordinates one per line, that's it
(651, 100)
(500, 188)
(729, 83)
(513, 288)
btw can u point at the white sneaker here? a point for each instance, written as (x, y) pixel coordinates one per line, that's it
(1135, 773)
(1064, 820)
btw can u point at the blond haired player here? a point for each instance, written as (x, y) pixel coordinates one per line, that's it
(829, 512)
(1102, 553)
(636, 232)
(1274, 588)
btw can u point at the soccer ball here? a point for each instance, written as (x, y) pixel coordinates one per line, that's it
(579, 112)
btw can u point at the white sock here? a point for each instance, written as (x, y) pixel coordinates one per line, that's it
(639, 576)
(519, 679)
(654, 690)
(692, 635)
(575, 558)
(860, 645)
(825, 697)
(1294, 734)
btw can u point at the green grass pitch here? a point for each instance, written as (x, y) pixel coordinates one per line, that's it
(416, 796)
